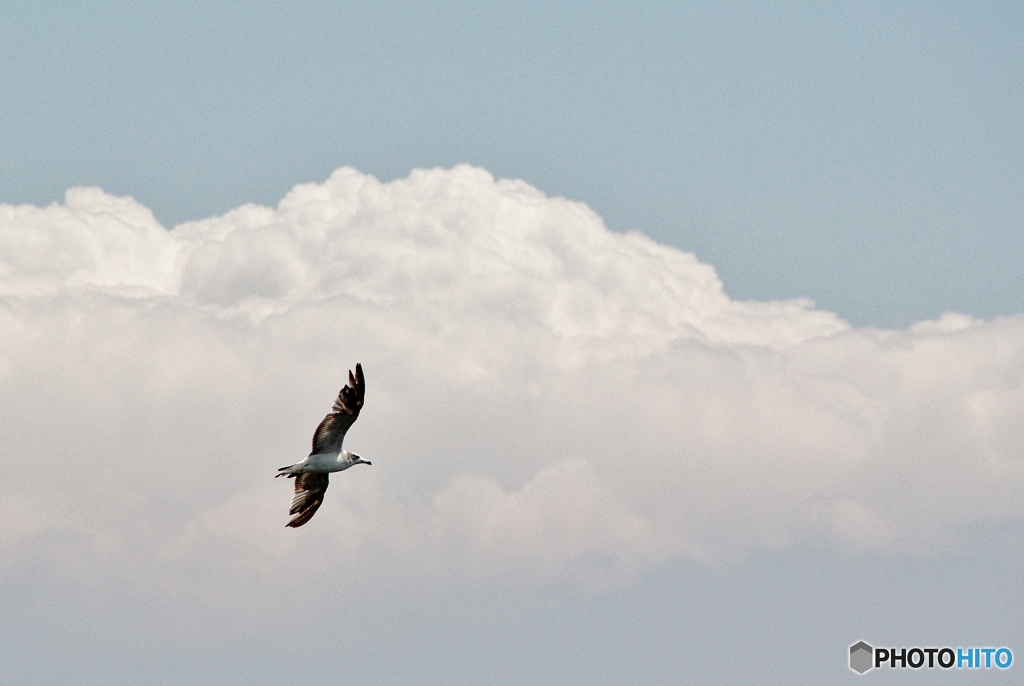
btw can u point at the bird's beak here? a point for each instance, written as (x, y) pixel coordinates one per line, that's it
(369, 463)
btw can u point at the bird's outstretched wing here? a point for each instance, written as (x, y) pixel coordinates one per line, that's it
(309, 493)
(328, 436)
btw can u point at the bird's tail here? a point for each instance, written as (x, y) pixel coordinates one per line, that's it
(284, 471)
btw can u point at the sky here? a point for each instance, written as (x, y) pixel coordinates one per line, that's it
(865, 155)
(692, 336)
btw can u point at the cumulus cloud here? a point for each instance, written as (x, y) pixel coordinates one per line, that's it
(549, 401)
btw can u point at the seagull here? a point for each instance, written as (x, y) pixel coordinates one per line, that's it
(327, 456)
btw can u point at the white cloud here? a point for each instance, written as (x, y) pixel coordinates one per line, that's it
(548, 401)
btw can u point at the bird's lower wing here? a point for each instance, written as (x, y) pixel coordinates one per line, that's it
(309, 494)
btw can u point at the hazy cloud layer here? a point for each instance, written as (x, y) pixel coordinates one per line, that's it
(548, 401)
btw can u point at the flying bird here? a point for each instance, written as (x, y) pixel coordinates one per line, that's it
(327, 456)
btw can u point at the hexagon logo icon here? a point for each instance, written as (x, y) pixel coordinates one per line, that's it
(860, 657)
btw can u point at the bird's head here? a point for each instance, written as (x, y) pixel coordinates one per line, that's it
(356, 459)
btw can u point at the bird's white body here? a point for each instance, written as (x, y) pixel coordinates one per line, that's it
(325, 463)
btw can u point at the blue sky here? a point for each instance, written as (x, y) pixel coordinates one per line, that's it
(867, 155)
(597, 459)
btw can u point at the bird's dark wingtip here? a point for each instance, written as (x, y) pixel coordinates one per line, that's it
(301, 518)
